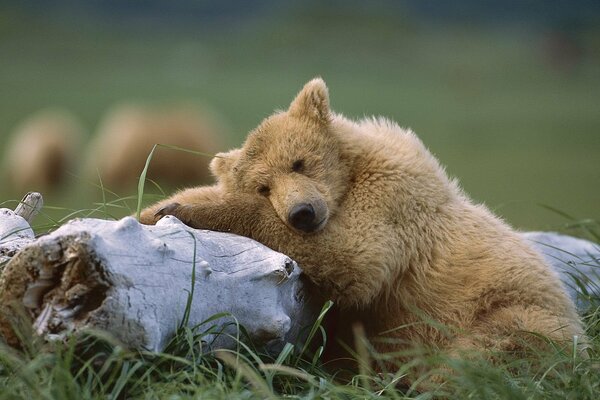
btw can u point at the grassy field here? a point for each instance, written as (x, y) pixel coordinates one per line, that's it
(518, 130)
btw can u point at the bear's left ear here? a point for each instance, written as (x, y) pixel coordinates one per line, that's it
(312, 102)
(223, 163)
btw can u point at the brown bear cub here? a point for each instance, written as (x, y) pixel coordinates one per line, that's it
(375, 223)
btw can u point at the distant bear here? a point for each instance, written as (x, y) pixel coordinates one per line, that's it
(374, 221)
(127, 134)
(42, 150)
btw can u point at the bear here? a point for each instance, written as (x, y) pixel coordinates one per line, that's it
(377, 225)
(43, 149)
(128, 131)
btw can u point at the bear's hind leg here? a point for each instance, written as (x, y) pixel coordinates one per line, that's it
(521, 331)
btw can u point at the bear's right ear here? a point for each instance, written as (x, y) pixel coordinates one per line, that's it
(312, 102)
(223, 163)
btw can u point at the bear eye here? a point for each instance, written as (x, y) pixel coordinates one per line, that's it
(298, 166)
(263, 190)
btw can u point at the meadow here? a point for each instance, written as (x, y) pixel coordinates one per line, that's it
(520, 130)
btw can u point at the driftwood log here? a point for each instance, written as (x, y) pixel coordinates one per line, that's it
(576, 261)
(135, 281)
(15, 231)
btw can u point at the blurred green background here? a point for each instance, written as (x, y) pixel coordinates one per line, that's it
(505, 94)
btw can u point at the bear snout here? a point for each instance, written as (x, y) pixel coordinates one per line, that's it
(304, 218)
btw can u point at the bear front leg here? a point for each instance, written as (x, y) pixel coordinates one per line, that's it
(180, 205)
(170, 206)
(207, 208)
(354, 272)
(356, 286)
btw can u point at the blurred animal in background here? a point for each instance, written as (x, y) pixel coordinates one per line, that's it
(42, 150)
(125, 137)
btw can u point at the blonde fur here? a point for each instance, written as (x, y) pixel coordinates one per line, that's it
(128, 132)
(401, 242)
(42, 150)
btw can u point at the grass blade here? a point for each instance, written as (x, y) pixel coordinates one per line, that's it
(142, 181)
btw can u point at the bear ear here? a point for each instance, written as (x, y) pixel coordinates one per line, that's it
(312, 102)
(223, 163)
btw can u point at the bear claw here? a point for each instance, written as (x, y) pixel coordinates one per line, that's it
(169, 209)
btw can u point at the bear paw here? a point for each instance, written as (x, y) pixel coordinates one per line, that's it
(169, 209)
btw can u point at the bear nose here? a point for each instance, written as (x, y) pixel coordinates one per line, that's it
(302, 217)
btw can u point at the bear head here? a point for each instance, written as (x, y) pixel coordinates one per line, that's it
(292, 160)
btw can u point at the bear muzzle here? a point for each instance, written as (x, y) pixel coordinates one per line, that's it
(303, 217)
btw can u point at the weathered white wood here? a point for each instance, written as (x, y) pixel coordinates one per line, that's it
(30, 206)
(576, 261)
(15, 233)
(133, 281)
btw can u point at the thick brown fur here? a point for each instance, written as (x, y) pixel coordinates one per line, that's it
(42, 150)
(399, 242)
(128, 132)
